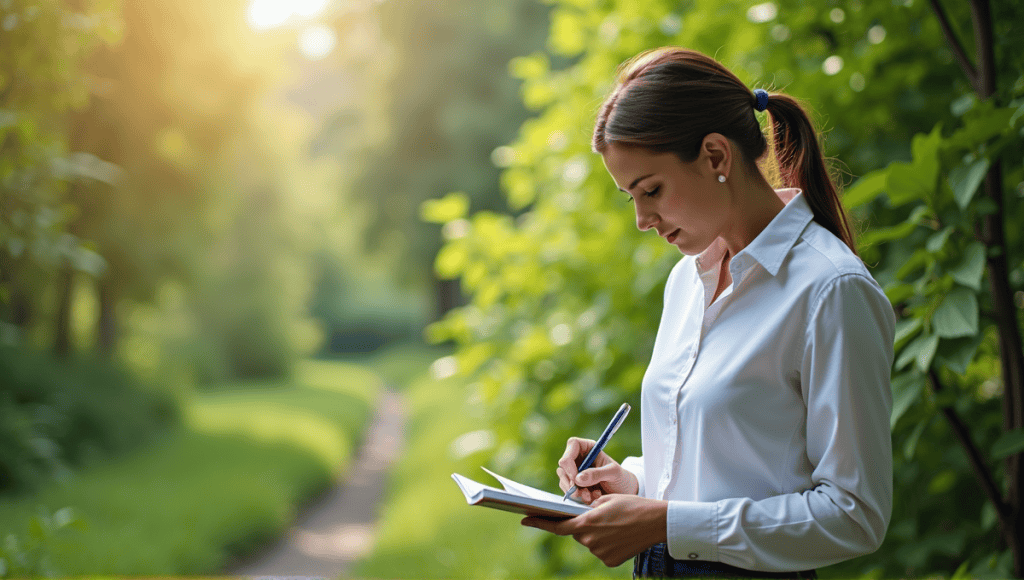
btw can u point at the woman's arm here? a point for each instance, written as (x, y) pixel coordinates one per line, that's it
(845, 382)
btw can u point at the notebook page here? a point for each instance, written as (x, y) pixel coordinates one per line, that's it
(528, 491)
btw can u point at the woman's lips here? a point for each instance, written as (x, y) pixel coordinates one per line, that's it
(672, 237)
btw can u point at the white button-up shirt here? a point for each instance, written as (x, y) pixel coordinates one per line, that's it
(765, 415)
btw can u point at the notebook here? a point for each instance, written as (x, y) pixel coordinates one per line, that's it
(518, 498)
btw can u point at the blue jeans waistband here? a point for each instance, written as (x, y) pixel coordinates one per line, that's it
(655, 562)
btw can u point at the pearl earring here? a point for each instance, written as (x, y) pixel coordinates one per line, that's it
(721, 179)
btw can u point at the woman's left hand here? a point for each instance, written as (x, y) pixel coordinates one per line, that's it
(619, 527)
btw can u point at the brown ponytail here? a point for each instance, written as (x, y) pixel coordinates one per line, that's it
(669, 99)
(801, 164)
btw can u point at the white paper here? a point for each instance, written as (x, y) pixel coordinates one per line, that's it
(528, 491)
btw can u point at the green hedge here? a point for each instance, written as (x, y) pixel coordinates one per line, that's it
(56, 414)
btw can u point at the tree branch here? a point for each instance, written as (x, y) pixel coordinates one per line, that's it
(981, 471)
(955, 46)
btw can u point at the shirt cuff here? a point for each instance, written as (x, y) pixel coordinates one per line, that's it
(635, 465)
(693, 530)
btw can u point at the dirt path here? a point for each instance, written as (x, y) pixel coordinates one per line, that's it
(339, 528)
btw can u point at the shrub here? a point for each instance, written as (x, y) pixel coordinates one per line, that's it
(57, 414)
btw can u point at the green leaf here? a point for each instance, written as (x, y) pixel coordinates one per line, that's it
(989, 517)
(1008, 443)
(961, 572)
(962, 104)
(957, 315)
(1016, 116)
(567, 36)
(905, 183)
(964, 180)
(980, 126)
(957, 353)
(942, 482)
(919, 259)
(971, 267)
(451, 260)
(918, 179)
(905, 389)
(897, 293)
(866, 189)
(910, 445)
(529, 67)
(898, 231)
(938, 240)
(450, 207)
(906, 328)
(921, 350)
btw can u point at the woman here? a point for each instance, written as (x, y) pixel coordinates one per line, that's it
(765, 408)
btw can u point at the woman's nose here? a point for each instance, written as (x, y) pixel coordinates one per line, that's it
(645, 220)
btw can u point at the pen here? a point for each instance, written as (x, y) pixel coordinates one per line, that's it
(610, 430)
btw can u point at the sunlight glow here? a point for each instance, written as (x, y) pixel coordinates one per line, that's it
(762, 12)
(317, 42)
(309, 7)
(264, 14)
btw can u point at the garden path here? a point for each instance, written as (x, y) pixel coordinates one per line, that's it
(339, 528)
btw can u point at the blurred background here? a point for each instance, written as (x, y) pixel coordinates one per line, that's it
(228, 228)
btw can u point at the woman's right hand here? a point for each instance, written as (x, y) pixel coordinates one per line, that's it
(604, 476)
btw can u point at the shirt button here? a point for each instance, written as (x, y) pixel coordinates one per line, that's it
(693, 555)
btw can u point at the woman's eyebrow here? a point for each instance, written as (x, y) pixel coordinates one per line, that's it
(636, 181)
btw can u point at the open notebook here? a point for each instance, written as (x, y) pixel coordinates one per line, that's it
(518, 498)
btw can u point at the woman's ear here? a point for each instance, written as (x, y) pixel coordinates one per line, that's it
(716, 154)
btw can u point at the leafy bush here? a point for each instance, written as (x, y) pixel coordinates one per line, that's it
(29, 555)
(56, 414)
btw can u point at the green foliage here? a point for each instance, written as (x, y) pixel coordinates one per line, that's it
(226, 482)
(432, 119)
(57, 415)
(29, 555)
(45, 45)
(565, 298)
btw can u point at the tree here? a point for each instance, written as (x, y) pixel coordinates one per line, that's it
(433, 115)
(42, 53)
(938, 288)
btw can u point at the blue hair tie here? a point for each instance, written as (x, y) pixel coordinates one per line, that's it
(762, 99)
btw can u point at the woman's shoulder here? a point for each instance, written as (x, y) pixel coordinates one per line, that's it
(821, 261)
(824, 257)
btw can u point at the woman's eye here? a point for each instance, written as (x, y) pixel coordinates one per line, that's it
(650, 193)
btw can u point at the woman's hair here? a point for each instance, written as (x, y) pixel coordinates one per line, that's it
(669, 99)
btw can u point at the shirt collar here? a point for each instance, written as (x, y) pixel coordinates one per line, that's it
(772, 245)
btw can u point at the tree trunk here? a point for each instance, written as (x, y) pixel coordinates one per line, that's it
(1010, 352)
(449, 295)
(106, 324)
(62, 324)
(991, 232)
(19, 309)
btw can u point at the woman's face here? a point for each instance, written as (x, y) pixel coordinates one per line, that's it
(684, 202)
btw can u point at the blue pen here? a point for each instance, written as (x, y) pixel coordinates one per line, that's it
(610, 430)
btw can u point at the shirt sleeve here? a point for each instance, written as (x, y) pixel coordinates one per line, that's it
(635, 465)
(845, 382)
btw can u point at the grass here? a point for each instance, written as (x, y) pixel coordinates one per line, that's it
(426, 529)
(226, 482)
